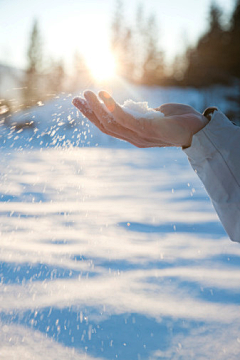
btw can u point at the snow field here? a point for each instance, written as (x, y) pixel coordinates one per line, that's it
(99, 260)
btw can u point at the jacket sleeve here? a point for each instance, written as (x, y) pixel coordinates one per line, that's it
(215, 156)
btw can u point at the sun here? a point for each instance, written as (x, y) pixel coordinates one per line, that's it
(101, 64)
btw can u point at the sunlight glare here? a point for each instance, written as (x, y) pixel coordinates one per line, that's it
(101, 64)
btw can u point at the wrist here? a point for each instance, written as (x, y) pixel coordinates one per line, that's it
(196, 124)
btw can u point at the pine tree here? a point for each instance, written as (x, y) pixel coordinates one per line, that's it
(35, 50)
(117, 26)
(55, 77)
(153, 63)
(232, 51)
(136, 47)
(235, 21)
(206, 61)
(215, 20)
(35, 61)
(128, 55)
(121, 43)
(234, 43)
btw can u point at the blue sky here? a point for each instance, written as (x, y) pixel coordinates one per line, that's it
(67, 26)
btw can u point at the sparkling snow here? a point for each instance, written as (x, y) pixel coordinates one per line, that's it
(141, 109)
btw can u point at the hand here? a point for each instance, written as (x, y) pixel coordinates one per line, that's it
(176, 128)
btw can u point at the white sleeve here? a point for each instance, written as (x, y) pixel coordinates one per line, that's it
(215, 156)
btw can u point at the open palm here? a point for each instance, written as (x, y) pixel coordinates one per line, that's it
(176, 128)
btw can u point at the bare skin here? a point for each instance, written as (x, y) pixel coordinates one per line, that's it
(176, 128)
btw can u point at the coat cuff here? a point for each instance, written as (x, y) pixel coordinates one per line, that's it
(210, 138)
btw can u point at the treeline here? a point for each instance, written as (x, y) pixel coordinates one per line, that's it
(215, 59)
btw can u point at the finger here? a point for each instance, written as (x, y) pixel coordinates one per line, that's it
(111, 104)
(102, 114)
(85, 109)
(110, 127)
(108, 120)
(122, 117)
(116, 110)
(113, 129)
(83, 106)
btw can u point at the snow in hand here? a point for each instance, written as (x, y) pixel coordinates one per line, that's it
(141, 109)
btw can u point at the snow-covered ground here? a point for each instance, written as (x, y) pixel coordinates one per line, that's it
(110, 252)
